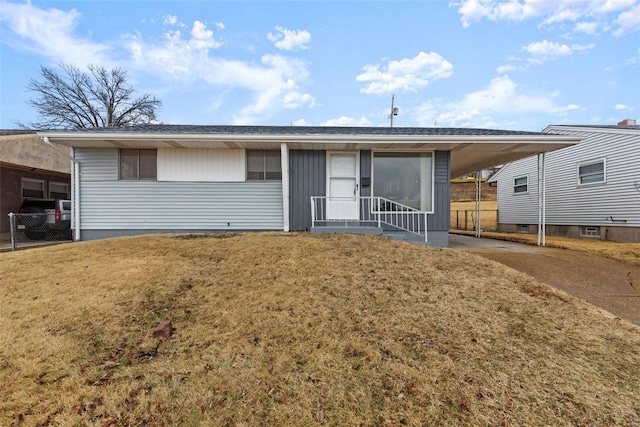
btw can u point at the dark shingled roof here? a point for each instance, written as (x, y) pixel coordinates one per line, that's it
(619, 127)
(300, 130)
(4, 132)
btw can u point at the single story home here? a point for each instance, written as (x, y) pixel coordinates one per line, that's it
(29, 168)
(592, 190)
(179, 178)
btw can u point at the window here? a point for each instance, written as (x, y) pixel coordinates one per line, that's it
(590, 231)
(521, 185)
(33, 188)
(591, 172)
(138, 164)
(406, 178)
(264, 165)
(58, 190)
(523, 228)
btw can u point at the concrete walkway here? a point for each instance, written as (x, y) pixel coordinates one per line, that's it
(608, 284)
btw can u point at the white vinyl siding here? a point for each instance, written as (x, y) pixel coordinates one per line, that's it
(201, 165)
(109, 204)
(569, 203)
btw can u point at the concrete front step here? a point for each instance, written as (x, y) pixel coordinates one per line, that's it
(404, 236)
(353, 229)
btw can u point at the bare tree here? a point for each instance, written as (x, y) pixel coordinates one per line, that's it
(101, 98)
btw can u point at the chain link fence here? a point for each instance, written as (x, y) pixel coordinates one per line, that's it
(466, 220)
(36, 228)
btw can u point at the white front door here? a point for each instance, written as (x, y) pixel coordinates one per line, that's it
(342, 186)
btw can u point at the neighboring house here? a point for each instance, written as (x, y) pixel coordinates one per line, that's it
(173, 178)
(29, 168)
(592, 189)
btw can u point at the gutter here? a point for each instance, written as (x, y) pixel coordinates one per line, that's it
(76, 186)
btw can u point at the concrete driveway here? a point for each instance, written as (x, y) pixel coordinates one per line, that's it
(608, 284)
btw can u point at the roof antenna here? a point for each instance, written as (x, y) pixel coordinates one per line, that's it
(394, 110)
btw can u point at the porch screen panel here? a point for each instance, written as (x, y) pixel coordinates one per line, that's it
(405, 178)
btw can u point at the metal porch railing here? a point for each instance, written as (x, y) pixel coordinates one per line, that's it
(367, 211)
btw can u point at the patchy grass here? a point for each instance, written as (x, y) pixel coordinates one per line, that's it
(624, 252)
(293, 329)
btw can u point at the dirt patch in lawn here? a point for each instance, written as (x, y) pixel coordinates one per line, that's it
(302, 330)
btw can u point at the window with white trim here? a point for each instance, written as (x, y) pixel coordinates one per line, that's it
(405, 178)
(521, 185)
(590, 231)
(138, 164)
(591, 172)
(58, 190)
(34, 188)
(264, 165)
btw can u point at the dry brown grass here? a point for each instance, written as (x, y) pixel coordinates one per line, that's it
(624, 252)
(293, 329)
(488, 215)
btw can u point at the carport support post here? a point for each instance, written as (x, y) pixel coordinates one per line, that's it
(542, 208)
(12, 228)
(478, 197)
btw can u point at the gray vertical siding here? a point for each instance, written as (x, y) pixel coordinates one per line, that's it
(365, 172)
(110, 204)
(439, 220)
(307, 177)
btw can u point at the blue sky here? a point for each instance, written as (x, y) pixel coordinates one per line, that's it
(517, 64)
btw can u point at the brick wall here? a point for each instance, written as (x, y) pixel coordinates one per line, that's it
(11, 190)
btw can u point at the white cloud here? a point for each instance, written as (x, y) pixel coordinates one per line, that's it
(582, 47)
(49, 32)
(553, 12)
(629, 21)
(545, 50)
(300, 122)
(566, 109)
(274, 84)
(347, 121)
(201, 38)
(621, 107)
(587, 27)
(494, 106)
(405, 75)
(505, 69)
(172, 20)
(290, 40)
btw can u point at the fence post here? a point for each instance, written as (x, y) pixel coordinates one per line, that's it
(12, 228)
(465, 219)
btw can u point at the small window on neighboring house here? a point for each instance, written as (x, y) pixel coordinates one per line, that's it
(58, 190)
(138, 164)
(33, 188)
(264, 165)
(590, 231)
(523, 228)
(591, 172)
(521, 184)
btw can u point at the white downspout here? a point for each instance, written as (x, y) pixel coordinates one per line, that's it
(76, 187)
(284, 155)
